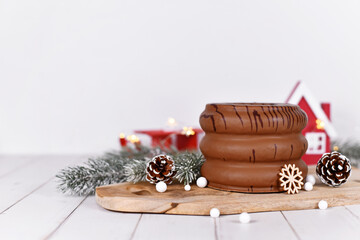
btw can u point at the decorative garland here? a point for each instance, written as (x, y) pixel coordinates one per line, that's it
(129, 165)
(125, 166)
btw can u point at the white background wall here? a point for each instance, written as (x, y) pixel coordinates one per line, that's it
(74, 74)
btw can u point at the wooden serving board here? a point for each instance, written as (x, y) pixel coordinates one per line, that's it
(143, 198)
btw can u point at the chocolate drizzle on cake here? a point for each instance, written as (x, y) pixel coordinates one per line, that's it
(275, 146)
(237, 114)
(212, 119)
(222, 115)
(247, 111)
(266, 115)
(256, 114)
(282, 117)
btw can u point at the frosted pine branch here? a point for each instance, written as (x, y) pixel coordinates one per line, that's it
(349, 148)
(188, 167)
(124, 166)
(82, 180)
(134, 171)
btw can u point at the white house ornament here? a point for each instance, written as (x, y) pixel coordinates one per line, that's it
(333, 169)
(291, 178)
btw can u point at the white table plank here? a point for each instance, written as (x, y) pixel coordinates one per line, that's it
(262, 226)
(18, 184)
(37, 215)
(354, 209)
(162, 226)
(332, 223)
(90, 221)
(9, 163)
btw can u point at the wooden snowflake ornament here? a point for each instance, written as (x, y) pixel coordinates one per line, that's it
(291, 179)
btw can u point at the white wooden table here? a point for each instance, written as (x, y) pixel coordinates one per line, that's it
(31, 207)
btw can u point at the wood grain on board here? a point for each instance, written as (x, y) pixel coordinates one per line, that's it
(143, 198)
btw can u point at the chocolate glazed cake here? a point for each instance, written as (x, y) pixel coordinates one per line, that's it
(246, 144)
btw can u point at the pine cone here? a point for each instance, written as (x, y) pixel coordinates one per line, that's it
(333, 169)
(160, 168)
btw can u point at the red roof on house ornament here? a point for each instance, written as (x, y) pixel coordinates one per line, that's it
(319, 131)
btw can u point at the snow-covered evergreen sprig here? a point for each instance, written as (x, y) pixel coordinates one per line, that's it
(188, 166)
(124, 166)
(135, 170)
(83, 179)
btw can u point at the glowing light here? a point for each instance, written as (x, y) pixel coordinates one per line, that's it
(122, 140)
(133, 139)
(171, 122)
(335, 148)
(188, 131)
(319, 124)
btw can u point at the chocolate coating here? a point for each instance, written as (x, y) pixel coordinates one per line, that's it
(246, 144)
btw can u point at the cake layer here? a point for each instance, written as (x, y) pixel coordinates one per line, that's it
(253, 148)
(246, 177)
(252, 118)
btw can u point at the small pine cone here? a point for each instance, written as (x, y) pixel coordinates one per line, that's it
(333, 169)
(160, 168)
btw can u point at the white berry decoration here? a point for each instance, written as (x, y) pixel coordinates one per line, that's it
(311, 179)
(244, 217)
(187, 187)
(323, 205)
(308, 186)
(201, 182)
(161, 187)
(214, 212)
